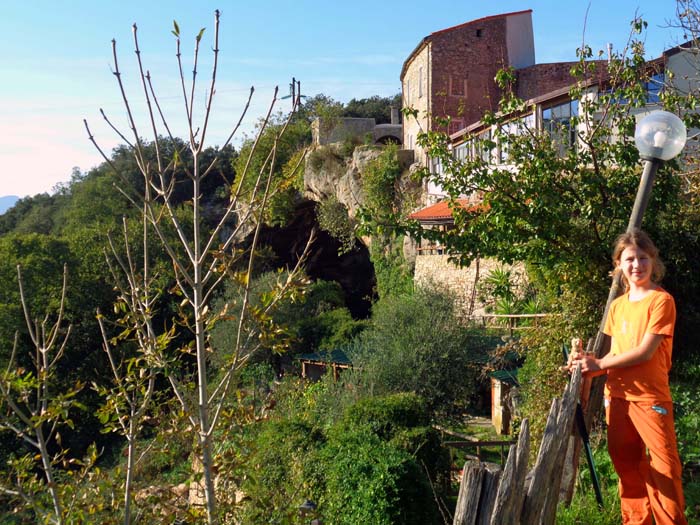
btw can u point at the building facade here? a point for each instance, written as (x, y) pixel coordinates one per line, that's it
(451, 72)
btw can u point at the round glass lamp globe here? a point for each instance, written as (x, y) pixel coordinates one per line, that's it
(660, 135)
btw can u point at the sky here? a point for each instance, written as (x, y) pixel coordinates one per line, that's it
(56, 66)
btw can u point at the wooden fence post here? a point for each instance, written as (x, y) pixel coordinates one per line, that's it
(511, 494)
(469, 493)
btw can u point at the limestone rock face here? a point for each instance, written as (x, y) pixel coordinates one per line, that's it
(328, 173)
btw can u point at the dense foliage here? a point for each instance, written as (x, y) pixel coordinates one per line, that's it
(416, 344)
(369, 461)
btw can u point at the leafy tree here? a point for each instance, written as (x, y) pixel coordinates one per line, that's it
(416, 344)
(45, 256)
(31, 215)
(321, 106)
(376, 107)
(289, 137)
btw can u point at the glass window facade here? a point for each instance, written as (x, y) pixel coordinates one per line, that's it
(557, 122)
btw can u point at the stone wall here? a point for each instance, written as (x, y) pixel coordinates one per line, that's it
(438, 272)
(465, 61)
(415, 85)
(327, 131)
(539, 79)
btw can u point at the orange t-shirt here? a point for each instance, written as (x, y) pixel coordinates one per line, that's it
(627, 323)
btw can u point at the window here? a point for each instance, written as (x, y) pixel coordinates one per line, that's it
(407, 94)
(436, 166)
(484, 146)
(420, 81)
(455, 125)
(463, 152)
(508, 130)
(512, 129)
(457, 86)
(654, 87)
(557, 122)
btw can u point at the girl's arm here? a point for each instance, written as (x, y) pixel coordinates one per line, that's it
(635, 356)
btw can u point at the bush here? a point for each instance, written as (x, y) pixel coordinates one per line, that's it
(368, 462)
(328, 330)
(370, 481)
(394, 275)
(415, 344)
(333, 218)
(279, 465)
(540, 376)
(403, 420)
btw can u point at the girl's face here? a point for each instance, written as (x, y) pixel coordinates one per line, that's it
(637, 266)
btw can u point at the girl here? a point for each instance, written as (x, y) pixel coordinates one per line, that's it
(638, 407)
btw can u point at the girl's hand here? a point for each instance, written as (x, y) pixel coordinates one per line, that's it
(574, 358)
(589, 364)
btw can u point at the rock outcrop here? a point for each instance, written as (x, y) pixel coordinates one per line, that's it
(329, 173)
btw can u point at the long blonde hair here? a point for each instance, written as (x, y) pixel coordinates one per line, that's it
(638, 239)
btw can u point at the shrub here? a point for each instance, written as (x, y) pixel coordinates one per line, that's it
(368, 462)
(279, 467)
(403, 419)
(394, 275)
(328, 330)
(333, 218)
(384, 415)
(370, 481)
(415, 344)
(540, 377)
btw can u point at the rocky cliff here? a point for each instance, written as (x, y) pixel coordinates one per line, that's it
(329, 171)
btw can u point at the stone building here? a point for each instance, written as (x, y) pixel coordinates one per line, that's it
(331, 130)
(451, 72)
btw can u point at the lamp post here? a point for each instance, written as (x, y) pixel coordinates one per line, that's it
(659, 137)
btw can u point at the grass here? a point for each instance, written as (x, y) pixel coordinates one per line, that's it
(478, 429)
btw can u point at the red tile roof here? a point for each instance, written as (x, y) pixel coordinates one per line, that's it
(441, 211)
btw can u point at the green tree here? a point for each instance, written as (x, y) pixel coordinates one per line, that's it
(45, 256)
(376, 107)
(415, 343)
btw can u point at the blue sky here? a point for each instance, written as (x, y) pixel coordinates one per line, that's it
(57, 59)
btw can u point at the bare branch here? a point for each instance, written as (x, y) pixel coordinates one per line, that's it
(213, 80)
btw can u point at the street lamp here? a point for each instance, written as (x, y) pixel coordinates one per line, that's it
(660, 136)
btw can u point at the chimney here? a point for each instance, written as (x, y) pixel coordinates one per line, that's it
(394, 115)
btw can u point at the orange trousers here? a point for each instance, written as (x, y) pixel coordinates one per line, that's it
(642, 446)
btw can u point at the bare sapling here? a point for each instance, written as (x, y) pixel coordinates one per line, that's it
(203, 255)
(35, 411)
(134, 376)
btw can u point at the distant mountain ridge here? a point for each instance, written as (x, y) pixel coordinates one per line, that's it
(7, 202)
